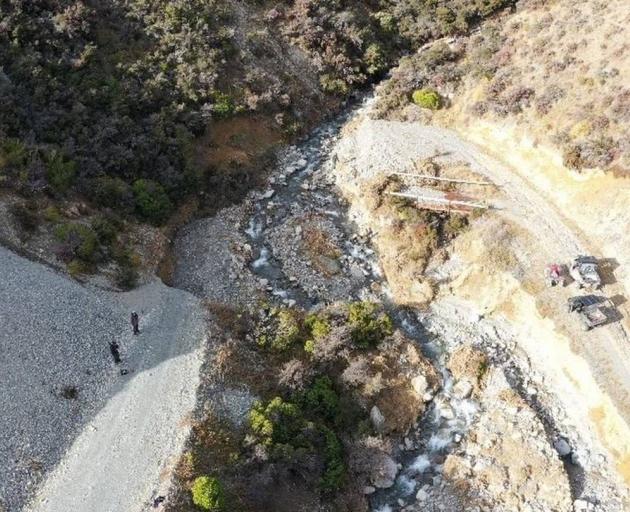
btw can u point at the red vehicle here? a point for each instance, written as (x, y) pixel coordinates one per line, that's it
(555, 274)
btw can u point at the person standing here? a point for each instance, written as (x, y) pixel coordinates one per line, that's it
(135, 323)
(114, 348)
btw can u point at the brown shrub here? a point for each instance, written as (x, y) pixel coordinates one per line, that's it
(295, 375)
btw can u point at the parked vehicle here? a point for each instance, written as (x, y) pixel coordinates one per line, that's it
(592, 310)
(555, 274)
(585, 271)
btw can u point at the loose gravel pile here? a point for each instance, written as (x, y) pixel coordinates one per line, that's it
(56, 367)
(211, 255)
(110, 437)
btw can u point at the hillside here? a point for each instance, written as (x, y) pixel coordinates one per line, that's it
(125, 111)
(336, 222)
(553, 74)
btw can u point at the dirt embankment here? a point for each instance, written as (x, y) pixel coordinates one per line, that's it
(488, 283)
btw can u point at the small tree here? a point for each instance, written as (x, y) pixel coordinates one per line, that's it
(207, 493)
(60, 172)
(78, 241)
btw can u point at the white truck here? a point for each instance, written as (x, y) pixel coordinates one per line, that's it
(585, 271)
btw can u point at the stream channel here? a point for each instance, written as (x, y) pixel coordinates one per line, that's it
(303, 183)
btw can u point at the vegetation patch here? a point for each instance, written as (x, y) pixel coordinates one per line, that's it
(26, 216)
(152, 202)
(368, 326)
(312, 409)
(427, 98)
(101, 96)
(207, 494)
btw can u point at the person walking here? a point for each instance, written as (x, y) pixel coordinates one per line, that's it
(135, 323)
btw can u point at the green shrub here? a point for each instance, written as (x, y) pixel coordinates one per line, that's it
(26, 216)
(321, 400)
(52, 214)
(446, 19)
(223, 104)
(309, 346)
(106, 228)
(13, 154)
(77, 268)
(287, 331)
(368, 327)
(207, 493)
(374, 59)
(151, 201)
(79, 239)
(277, 422)
(60, 172)
(126, 276)
(335, 468)
(282, 332)
(455, 225)
(111, 192)
(427, 98)
(318, 327)
(386, 21)
(333, 85)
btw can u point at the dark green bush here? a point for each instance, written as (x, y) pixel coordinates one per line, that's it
(207, 494)
(13, 154)
(321, 400)
(277, 422)
(106, 229)
(152, 202)
(335, 469)
(26, 216)
(60, 172)
(111, 192)
(374, 59)
(369, 327)
(126, 276)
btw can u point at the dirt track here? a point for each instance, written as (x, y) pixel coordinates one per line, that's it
(371, 148)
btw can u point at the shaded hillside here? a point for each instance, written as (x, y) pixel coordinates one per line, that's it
(97, 95)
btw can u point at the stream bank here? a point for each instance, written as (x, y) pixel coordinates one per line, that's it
(294, 244)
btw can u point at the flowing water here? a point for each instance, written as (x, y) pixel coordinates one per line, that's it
(291, 192)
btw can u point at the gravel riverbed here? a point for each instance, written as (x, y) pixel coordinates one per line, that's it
(74, 432)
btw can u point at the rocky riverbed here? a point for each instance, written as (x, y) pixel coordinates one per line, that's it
(293, 243)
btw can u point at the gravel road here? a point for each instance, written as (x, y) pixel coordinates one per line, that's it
(375, 146)
(90, 438)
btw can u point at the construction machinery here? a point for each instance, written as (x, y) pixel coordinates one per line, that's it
(592, 310)
(584, 269)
